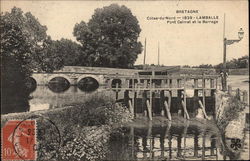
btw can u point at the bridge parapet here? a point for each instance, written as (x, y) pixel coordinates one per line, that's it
(75, 73)
(96, 70)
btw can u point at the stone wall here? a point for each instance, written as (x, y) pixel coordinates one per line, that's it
(97, 70)
(75, 73)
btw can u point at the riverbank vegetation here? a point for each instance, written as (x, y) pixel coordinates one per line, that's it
(232, 125)
(83, 129)
(232, 109)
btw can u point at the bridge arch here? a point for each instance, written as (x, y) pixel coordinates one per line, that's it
(59, 75)
(31, 84)
(88, 82)
(97, 78)
(58, 84)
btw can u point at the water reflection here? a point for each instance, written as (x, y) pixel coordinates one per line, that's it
(43, 98)
(40, 106)
(31, 84)
(58, 84)
(88, 84)
(14, 97)
(164, 142)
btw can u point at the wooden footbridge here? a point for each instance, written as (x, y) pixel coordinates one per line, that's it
(166, 94)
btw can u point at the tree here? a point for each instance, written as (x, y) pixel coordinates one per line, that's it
(109, 39)
(47, 57)
(241, 62)
(23, 41)
(186, 66)
(205, 66)
(14, 49)
(70, 52)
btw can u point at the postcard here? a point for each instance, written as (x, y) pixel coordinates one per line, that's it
(124, 80)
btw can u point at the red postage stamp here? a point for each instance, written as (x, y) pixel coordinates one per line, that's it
(19, 140)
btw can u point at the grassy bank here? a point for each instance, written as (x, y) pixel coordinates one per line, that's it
(232, 108)
(231, 124)
(83, 129)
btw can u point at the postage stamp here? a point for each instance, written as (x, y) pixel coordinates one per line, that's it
(33, 138)
(19, 140)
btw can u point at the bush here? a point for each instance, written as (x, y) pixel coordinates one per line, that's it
(231, 112)
(86, 135)
(89, 144)
(84, 129)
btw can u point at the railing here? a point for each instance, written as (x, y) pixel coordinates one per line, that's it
(240, 94)
(143, 82)
(158, 84)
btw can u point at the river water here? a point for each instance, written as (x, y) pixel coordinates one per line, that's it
(182, 141)
(167, 142)
(44, 98)
(185, 140)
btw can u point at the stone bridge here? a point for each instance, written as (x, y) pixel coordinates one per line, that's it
(73, 74)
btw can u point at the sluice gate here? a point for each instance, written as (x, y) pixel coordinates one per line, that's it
(166, 95)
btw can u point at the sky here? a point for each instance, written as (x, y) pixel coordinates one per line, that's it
(179, 44)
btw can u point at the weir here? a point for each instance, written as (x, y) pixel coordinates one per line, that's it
(166, 95)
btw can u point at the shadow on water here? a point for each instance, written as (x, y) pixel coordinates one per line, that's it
(31, 84)
(88, 84)
(15, 98)
(168, 142)
(58, 84)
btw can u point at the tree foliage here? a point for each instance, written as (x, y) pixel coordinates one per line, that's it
(204, 66)
(69, 51)
(109, 39)
(241, 62)
(24, 44)
(46, 57)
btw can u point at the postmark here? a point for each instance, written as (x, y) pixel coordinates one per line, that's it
(18, 140)
(36, 137)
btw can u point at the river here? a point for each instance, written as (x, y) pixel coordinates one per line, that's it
(181, 141)
(44, 98)
(185, 140)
